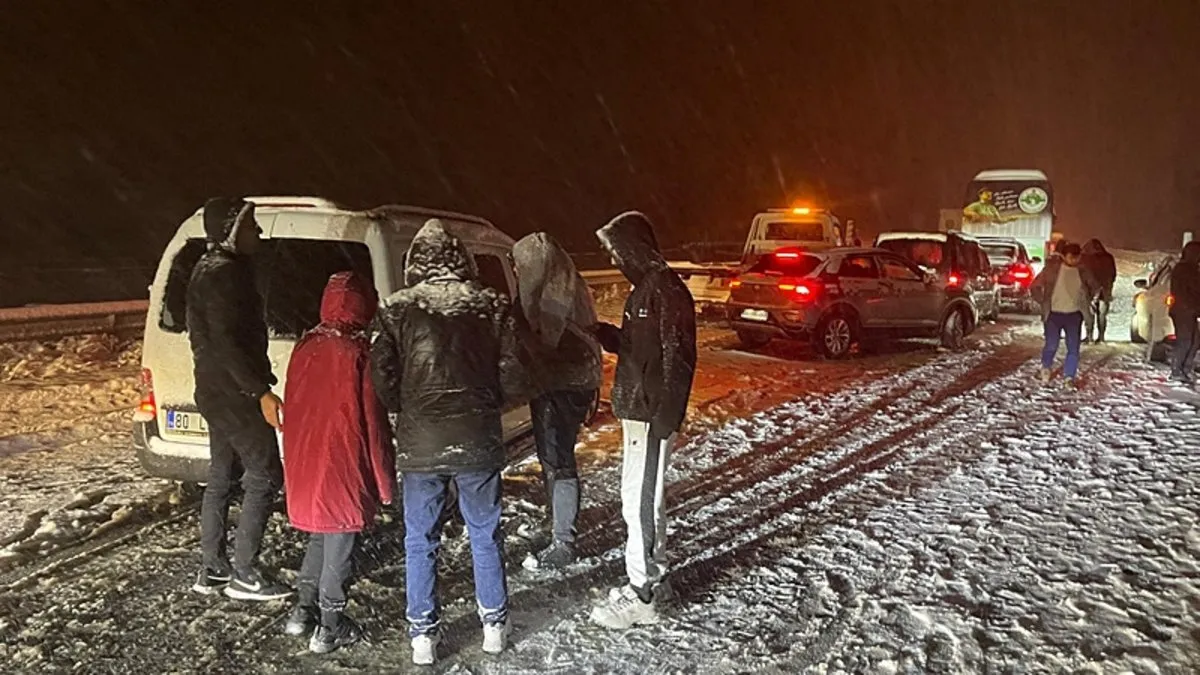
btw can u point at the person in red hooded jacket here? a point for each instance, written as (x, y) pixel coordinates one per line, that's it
(338, 458)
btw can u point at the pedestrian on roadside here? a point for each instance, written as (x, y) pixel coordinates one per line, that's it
(338, 458)
(1185, 289)
(1104, 268)
(556, 319)
(228, 335)
(656, 348)
(1064, 290)
(445, 364)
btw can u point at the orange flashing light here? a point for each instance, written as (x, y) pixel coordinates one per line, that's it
(802, 210)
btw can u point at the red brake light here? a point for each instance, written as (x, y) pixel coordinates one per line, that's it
(786, 254)
(147, 406)
(804, 290)
(954, 280)
(1021, 274)
(736, 283)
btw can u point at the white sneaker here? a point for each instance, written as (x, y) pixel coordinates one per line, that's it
(624, 610)
(425, 649)
(495, 637)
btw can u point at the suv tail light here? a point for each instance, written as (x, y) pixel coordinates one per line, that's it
(147, 408)
(801, 290)
(954, 280)
(736, 283)
(1170, 299)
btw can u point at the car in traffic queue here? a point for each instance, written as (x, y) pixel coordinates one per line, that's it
(1014, 269)
(305, 241)
(955, 258)
(1151, 323)
(841, 297)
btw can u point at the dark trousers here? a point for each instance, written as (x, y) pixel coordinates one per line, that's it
(1183, 354)
(1057, 324)
(324, 574)
(1097, 321)
(479, 502)
(254, 450)
(557, 417)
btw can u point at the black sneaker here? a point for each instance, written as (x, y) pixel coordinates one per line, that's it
(252, 585)
(326, 639)
(557, 556)
(301, 621)
(209, 581)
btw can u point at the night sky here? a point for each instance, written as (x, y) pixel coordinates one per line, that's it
(118, 119)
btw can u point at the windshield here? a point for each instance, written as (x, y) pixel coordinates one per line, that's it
(1000, 253)
(925, 252)
(795, 231)
(799, 266)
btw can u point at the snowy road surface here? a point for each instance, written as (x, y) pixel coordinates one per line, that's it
(909, 511)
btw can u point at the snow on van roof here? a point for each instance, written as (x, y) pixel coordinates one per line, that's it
(1011, 174)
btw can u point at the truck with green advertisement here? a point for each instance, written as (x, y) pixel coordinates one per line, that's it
(1016, 203)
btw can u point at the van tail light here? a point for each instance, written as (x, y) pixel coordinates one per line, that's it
(802, 290)
(1170, 299)
(147, 408)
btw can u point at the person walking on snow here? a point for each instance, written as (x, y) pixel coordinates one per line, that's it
(338, 458)
(1104, 268)
(1185, 288)
(445, 364)
(556, 319)
(1064, 289)
(656, 347)
(228, 335)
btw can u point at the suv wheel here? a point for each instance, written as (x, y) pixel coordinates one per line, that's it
(835, 336)
(954, 330)
(752, 340)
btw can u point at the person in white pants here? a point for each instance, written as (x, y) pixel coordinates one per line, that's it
(656, 348)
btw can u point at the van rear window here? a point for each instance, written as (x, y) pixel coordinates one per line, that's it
(794, 231)
(291, 275)
(797, 266)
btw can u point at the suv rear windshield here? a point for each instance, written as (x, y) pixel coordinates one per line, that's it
(793, 231)
(291, 276)
(925, 252)
(1000, 253)
(799, 266)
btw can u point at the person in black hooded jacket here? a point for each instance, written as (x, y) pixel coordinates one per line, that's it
(656, 348)
(445, 364)
(1185, 288)
(228, 335)
(1104, 268)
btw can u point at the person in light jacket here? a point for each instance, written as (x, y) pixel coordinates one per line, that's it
(1064, 289)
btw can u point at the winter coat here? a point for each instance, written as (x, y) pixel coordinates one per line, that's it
(338, 459)
(445, 360)
(656, 343)
(1185, 282)
(555, 318)
(1102, 265)
(1042, 288)
(226, 325)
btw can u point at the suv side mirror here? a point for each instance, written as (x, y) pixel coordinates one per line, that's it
(1141, 283)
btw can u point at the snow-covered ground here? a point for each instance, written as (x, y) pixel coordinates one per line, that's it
(910, 511)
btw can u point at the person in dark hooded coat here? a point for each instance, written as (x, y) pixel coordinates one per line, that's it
(656, 348)
(556, 319)
(338, 463)
(445, 363)
(1104, 270)
(228, 335)
(1185, 288)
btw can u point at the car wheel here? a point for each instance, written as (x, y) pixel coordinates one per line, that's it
(835, 336)
(752, 340)
(954, 330)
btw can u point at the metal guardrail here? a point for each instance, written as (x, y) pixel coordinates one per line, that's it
(55, 321)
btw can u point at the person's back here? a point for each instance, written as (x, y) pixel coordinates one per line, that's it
(1103, 268)
(444, 361)
(1185, 289)
(338, 457)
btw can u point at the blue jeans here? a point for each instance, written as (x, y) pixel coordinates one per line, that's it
(1057, 324)
(479, 501)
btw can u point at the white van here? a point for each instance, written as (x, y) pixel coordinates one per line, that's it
(306, 240)
(809, 229)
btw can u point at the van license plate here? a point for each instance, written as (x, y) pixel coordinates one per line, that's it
(755, 315)
(189, 423)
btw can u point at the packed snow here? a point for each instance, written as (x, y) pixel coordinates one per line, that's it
(911, 510)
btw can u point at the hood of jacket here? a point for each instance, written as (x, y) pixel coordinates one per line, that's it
(223, 219)
(348, 302)
(440, 277)
(629, 239)
(1093, 246)
(435, 254)
(551, 291)
(1191, 252)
